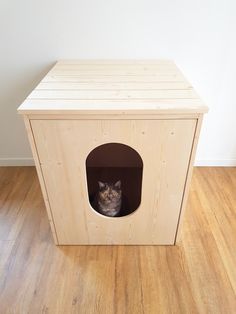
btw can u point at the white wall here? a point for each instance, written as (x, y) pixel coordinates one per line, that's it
(198, 35)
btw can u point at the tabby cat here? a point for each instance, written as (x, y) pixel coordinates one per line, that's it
(109, 198)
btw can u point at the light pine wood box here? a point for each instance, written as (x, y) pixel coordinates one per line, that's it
(147, 105)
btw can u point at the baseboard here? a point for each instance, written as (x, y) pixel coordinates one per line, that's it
(198, 163)
(215, 163)
(16, 162)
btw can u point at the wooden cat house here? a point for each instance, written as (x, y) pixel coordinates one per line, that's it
(137, 121)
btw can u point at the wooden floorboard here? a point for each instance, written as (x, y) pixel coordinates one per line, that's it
(196, 276)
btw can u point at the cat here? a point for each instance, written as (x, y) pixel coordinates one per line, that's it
(109, 198)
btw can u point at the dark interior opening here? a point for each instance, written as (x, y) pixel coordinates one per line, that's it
(112, 162)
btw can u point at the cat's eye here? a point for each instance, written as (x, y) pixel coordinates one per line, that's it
(112, 162)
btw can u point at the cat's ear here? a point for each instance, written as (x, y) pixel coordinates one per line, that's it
(101, 185)
(118, 184)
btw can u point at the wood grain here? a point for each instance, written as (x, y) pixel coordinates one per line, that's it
(62, 153)
(128, 91)
(40, 176)
(197, 276)
(111, 82)
(120, 107)
(64, 85)
(110, 95)
(188, 177)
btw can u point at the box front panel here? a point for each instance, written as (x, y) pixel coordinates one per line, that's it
(165, 148)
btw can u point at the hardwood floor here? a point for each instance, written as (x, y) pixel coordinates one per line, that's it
(197, 276)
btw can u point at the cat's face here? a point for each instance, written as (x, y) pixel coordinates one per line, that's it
(109, 192)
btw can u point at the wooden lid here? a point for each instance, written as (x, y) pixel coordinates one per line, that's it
(108, 87)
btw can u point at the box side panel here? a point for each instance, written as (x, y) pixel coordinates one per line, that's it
(40, 176)
(165, 147)
(188, 177)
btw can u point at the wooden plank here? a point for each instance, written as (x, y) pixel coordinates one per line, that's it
(156, 219)
(208, 239)
(197, 276)
(215, 188)
(114, 69)
(188, 177)
(165, 77)
(126, 94)
(115, 72)
(114, 78)
(110, 116)
(112, 94)
(14, 185)
(162, 106)
(61, 85)
(40, 176)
